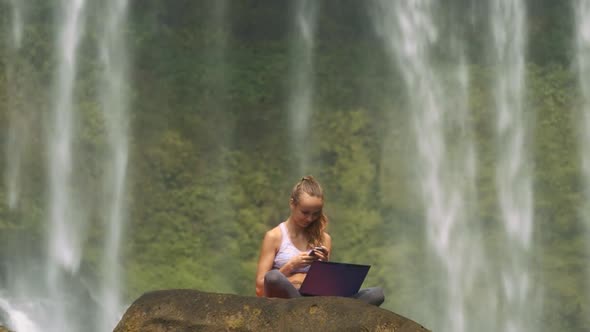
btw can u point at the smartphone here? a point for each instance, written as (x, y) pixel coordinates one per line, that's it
(312, 251)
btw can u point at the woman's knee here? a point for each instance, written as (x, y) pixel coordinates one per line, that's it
(373, 295)
(377, 296)
(273, 277)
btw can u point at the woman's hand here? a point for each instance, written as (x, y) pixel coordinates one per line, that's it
(300, 261)
(320, 253)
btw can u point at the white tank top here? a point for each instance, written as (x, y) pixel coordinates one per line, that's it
(287, 251)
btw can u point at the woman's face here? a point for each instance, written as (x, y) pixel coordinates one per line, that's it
(308, 210)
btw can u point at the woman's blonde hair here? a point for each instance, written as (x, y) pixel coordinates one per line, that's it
(315, 231)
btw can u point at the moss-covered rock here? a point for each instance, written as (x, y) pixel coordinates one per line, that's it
(191, 310)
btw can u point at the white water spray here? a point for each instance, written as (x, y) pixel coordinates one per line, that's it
(447, 170)
(14, 146)
(114, 105)
(64, 223)
(66, 301)
(300, 104)
(64, 241)
(14, 157)
(513, 172)
(17, 319)
(17, 22)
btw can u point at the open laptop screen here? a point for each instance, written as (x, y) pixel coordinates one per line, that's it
(333, 279)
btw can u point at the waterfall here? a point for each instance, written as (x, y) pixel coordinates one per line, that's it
(301, 94)
(67, 301)
(17, 22)
(65, 221)
(17, 319)
(513, 170)
(582, 30)
(14, 146)
(64, 241)
(446, 171)
(114, 106)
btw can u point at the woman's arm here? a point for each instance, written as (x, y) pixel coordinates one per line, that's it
(268, 250)
(328, 244)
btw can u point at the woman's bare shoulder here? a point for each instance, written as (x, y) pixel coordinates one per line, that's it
(327, 239)
(273, 235)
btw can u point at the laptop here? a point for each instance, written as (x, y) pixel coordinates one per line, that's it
(333, 279)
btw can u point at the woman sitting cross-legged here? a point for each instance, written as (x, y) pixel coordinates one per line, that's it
(285, 255)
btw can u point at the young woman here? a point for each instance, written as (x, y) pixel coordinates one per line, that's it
(285, 254)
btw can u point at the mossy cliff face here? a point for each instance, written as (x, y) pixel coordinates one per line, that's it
(191, 310)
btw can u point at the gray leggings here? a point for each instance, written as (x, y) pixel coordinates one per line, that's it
(277, 285)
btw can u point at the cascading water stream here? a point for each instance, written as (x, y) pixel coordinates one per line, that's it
(114, 105)
(18, 320)
(513, 171)
(14, 144)
(582, 10)
(447, 172)
(64, 236)
(66, 301)
(300, 102)
(64, 241)
(17, 22)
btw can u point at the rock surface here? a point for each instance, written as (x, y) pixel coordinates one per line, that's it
(191, 310)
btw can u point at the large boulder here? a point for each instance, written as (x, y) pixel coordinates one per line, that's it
(191, 310)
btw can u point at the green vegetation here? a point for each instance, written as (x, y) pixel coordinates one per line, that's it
(211, 166)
